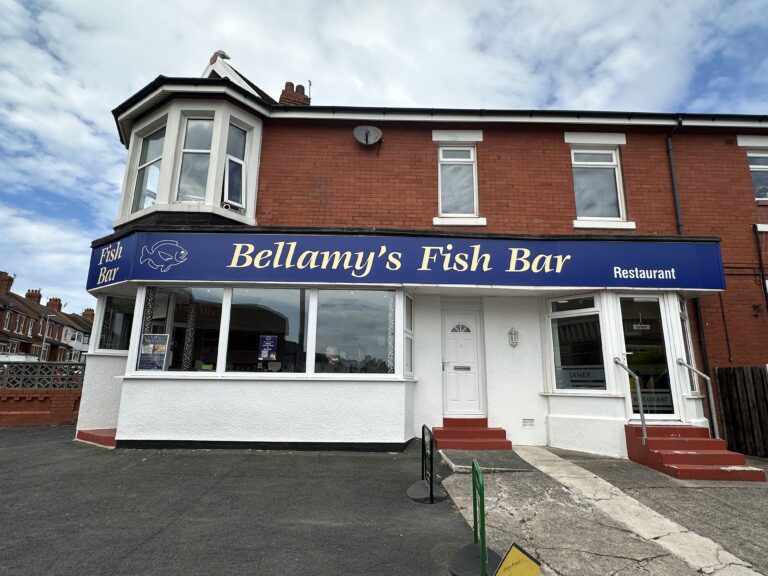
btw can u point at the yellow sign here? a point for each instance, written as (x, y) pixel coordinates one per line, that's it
(517, 562)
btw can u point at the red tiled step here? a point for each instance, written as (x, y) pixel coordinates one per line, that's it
(101, 436)
(654, 443)
(670, 431)
(468, 432)
(700, 472)
(465, 422)
(474, 444)
(702, 457)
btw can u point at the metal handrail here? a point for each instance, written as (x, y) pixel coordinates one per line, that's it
(712, 414)
(618, 362)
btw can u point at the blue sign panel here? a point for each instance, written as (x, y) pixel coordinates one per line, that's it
(339, 259)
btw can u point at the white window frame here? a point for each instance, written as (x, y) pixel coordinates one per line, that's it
(221, 372)
(7, 320)
(153, 128)
(599, 308)
(30, 325)
(182, 151)
(614, 165)
(408, 333)
(442, 161)
(243, 163)
(19, 324)
(458, 139)
(757, 154)
(173, 116)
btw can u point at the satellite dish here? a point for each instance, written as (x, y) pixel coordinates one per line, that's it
(367, 135)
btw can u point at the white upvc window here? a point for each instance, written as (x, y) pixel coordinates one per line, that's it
(235, 168)
(597, 184)
(19, 324)
(758, 169)
(408, 340)
(148, 170)
(457, 181)
(7, 319)
(195, 157)
(30, 324)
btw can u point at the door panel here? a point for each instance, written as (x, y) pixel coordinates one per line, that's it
(461, 372)
(646, 349)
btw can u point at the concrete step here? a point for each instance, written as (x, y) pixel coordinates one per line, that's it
(688, 444)
(703, 472)
(468, 432)
(702, 457)
(100, 436)
(465, 422)
(474, 444)
(663, 431)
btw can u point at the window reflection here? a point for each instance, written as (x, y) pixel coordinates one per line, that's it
(355, 331)
(267, 330)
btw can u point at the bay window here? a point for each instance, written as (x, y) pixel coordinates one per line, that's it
(116, 323)
(288, 330)
(194, 155)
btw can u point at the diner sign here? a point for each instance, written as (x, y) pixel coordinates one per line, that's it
(408, 260)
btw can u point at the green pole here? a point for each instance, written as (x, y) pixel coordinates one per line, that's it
(478, 513)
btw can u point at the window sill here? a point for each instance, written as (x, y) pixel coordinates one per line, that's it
(186, 207)
(266, 376)
(582, 394)
(762, 201)
(609, 224)
(123, 353)
(458, 221)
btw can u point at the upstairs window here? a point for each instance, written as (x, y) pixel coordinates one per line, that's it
(234, 171)
(457, 181)
(195, 159)
(597, 183)
(148, 172)
(758, 168)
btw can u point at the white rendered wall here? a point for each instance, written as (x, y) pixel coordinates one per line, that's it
(514, 374)
(588, 424)
(102, 385)
(427, 363)
(205, 409)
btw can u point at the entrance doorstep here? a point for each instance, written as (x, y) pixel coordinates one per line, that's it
(104, 437)
(470, 434)
(688, 453)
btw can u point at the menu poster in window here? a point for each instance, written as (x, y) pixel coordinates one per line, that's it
(154, 347)
(267, 348)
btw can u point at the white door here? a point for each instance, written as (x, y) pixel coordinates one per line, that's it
(461, 365)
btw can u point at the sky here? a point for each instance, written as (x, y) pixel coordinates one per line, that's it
(64, 65)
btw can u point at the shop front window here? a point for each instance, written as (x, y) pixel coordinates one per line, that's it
(268, 330)
(116, 323)
(355, 331)
(180, 329)
(577, 345)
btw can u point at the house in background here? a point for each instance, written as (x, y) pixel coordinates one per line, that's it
(287, 273)
(36, 332)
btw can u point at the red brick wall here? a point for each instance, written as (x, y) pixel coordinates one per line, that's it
(38, 407)
(314, 174)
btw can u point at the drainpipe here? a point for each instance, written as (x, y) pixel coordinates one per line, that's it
(681, 232)
(762, 263)
(673, 174)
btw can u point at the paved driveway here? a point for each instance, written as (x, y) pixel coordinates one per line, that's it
(69, 508)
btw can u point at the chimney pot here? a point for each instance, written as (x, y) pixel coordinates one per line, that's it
(88, 314)
(34, 295)
(294, 96)
(54, 304)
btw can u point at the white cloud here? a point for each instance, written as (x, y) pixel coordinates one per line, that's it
(45, 253)
(65, 64)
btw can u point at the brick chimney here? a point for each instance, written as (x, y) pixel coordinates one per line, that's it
(54, 303)
(34, 295)
(6, 281)
(88, 314)
(294, 97)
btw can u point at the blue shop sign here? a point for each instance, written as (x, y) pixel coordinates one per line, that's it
(346, 259)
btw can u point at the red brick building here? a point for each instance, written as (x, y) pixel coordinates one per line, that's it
(418, 207)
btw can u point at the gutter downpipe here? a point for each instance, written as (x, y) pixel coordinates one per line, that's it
(681, 232)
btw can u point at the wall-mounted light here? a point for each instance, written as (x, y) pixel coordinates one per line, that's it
(512, 336)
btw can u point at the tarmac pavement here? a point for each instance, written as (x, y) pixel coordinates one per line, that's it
(586, 515)
(71, 508)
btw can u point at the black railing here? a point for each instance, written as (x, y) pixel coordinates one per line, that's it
(41, 375)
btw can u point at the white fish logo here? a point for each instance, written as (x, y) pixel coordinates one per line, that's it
(163, 254)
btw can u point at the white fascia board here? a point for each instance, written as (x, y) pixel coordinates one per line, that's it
(751, 141)
(457, 135)
(715, 123)
(485, 118)
(596, 138)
